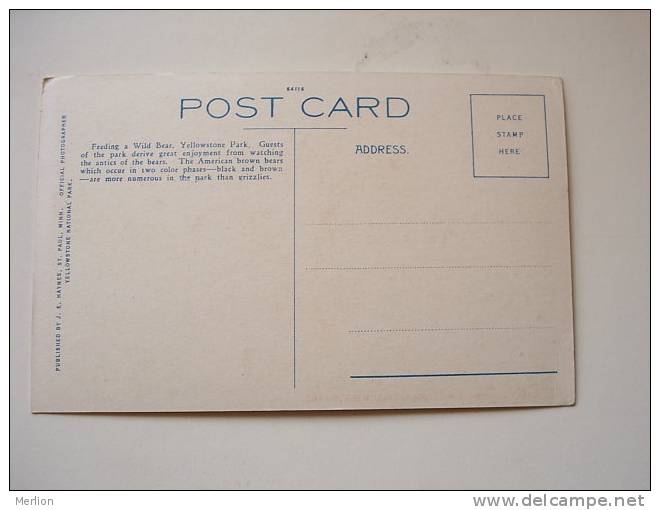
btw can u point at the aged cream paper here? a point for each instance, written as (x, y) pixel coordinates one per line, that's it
(302, 241)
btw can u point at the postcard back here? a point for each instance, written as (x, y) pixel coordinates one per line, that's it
(302, 241)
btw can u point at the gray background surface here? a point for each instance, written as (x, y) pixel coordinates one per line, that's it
(602, 442)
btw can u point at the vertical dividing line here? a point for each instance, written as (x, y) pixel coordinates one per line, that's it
(472, 137)
(294, 257)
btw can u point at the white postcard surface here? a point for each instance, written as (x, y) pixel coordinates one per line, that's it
(227, 242)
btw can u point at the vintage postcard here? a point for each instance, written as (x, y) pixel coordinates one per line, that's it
(227, 242)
